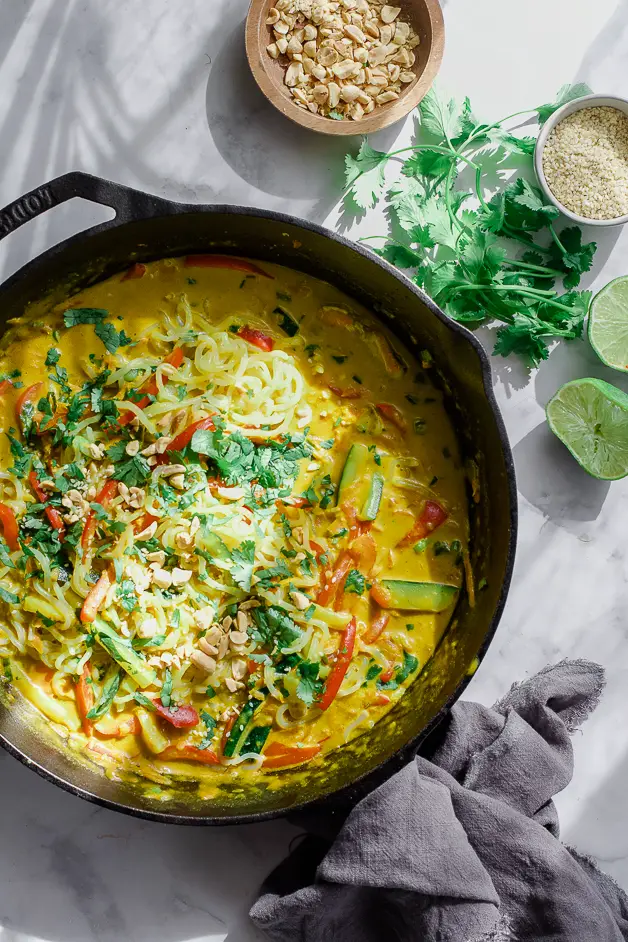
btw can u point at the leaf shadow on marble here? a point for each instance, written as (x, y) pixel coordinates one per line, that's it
(254, 138)
(607, 55)
(600, 825)
(70, 65)
(73, 872)
(552, 481)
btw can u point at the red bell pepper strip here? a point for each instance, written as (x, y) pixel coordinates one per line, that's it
(8, 521)
(376, 627)
(277, 755)
(142, 523)
(85, 700)
(4, 385)
(150, 386)
(54, 517)
(224, 261)
(95, 598)
(190, 754)
(135, 271)
(343, 659)
(344, 564)
(380, 595)
(104, 498)
(258, 338)
(381, 699)
(431, 517)
(364, 551)
(26, 398)
(393, 415)
(225, 733)
(348, 392)
(184, 438)
(183, 717)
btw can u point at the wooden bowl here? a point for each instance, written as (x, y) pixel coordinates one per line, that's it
(426, 19)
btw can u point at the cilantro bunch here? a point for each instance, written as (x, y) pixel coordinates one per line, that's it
(498, 257)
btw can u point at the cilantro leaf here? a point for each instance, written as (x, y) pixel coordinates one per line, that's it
(111, 338)
(310, 687)
(576, 259)
(133, 472)
(52, 357)
(210, 729)
(243, 558)
(9, 597)
(565, 94)
(273, 627)
(355, 582)
(83, 315)
(265, 577)
(109, 691)
(127, 595)
(401, 255)
(365, 175)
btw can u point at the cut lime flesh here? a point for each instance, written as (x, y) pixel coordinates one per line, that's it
(591, 418)
(608, 324)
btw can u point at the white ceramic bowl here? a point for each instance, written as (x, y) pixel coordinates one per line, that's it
(587, 101)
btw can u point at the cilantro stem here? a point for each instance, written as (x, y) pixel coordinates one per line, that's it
(561, 247)
(547, 297)
(450, 210)
(483, 129)
(537, 293)
(438, 150)
(541, 269)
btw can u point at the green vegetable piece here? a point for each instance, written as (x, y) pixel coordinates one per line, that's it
(353, 471)
(109, 691)
(256, 740)
(166, 689)
(287, 322)
(421, 546)
(236, 736)
(419, 596)
(122, 652)
(144, 701)
(374, 498)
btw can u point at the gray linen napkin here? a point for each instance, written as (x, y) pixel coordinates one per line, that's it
(462, 848)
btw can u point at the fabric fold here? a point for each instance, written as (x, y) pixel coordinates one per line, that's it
(460, 846)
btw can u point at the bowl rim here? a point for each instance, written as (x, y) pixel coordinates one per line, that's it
(577, 104)
(380, 118)
(133, 206)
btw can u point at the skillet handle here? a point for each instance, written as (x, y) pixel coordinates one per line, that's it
(128, 204)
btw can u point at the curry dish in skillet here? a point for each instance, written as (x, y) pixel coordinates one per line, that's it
(233, 518)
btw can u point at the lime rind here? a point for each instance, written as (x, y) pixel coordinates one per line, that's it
(608, 324)
(590, 417)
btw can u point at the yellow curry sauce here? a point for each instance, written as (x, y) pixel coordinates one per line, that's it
(234, 518)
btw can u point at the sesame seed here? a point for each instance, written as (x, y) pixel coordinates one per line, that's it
(585, 162)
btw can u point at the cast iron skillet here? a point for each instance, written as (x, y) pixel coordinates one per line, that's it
(145, 228)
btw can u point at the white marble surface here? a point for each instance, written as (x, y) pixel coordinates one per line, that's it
(157, 95)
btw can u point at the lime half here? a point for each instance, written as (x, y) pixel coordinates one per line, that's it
(591, 418)
(608, 324)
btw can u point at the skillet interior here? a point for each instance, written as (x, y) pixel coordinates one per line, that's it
(177, 230)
